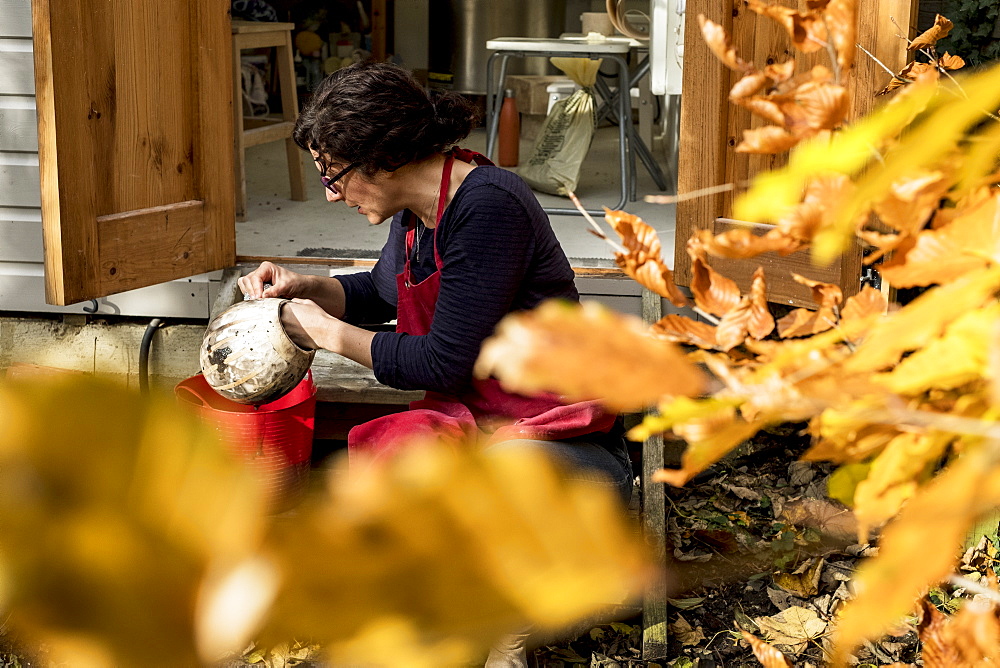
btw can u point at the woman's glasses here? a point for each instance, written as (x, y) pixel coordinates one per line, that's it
(331, 181)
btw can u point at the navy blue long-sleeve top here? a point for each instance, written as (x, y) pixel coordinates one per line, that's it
(499, 255)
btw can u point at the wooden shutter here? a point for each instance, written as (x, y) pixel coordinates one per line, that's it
(711, 127)
(135, 134)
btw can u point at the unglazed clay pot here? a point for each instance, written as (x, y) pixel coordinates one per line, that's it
(246, 355)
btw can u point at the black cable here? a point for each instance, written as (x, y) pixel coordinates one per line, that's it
(147, 339)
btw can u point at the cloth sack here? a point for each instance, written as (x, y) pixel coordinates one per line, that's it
(566, 135)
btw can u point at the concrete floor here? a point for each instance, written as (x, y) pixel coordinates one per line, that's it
(277, 226)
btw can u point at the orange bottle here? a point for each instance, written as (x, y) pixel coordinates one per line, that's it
(509, 132)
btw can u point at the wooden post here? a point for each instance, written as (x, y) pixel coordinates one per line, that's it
(654, 604)
(378, 30)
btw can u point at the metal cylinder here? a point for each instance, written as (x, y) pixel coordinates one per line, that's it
(459, 30)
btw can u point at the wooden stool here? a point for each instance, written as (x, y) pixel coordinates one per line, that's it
(253, 131)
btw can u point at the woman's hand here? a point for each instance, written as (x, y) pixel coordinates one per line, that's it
(283, 282)
(308, 325)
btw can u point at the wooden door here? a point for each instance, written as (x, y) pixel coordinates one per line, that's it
(135, 133)
(711, 126)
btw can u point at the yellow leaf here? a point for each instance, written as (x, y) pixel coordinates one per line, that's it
(768, 140)
(923, 320)
(108, 526)
(553, 348)
(844, 482)
(911, 200)
(643, 261)
(680, 409)
(709, 440)
(850, 433)
(894, 477)
(958, 357)
(768, 656)
(933, 525)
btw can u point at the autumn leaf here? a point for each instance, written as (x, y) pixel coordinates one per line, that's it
(933, 524)
(970, 637)
(827, 295)
(531, 352)
(732, 329)
(807, 30)
(709, 440)
(866, 304)
(841, 22)
(806, 322)
(741, 243)
(793, 627)
(760, 322)
(894, 477)
(815, 106)
(936, 650)
(923, 320)
(681, 329)
(713, 292)
(849, 433)
(643, 260)
(679, 410)
(826, 517)
(908, 74)
(768, 139)
(950, 62)
(768, 656)
(718, 41)
(909, 202)
(930, 37)
(119, 534)
(750, 84)
(960, 356)
(446, 549)
(804, 581)
(823, 194)
(970, 241)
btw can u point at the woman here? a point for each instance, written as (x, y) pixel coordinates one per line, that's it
(468, 243)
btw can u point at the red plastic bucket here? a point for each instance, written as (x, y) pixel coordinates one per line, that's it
(274, 439)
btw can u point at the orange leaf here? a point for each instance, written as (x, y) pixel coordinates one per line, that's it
(827, 295)
(803, 322)
(768, 140)
(930, 37)
(763, 107)
(681, 329)
(768, 655)
(781, 72)
(965, 244)
(869, 302)
(824, 193)
(911, 200)
(644, 261)
(751, 84)
(950, 62)
(815, 106)
(806, 30)
(909, 74)
(841, 21)
(718, 41)
(732, 329)
(713, 292)
(761, 322)
(741, 242)
(969, 638)
(531, 352)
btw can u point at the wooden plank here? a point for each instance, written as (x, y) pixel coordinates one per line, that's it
(379, 23)
(16, 69)
(703, 129)
(19, 176)
(654, 517)
(20, 242)
(267, 133)
(16, 18)
(340, 379)
(169, 236)
(242, 27)
(260, 39)
(152, 123)
(18, 124)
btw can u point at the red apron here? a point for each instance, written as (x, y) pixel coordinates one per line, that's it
(484, 413)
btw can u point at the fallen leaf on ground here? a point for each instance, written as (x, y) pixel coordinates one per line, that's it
(793, 627)
(684, 633)
(768, 656)
(825, 516)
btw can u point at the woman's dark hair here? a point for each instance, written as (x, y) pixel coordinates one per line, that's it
(378, 115)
